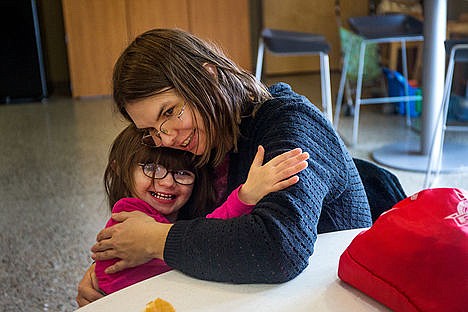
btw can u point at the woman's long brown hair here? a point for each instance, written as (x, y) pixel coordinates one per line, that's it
(125, 154)
(170, 58)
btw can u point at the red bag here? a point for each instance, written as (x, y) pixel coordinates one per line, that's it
(415, 256)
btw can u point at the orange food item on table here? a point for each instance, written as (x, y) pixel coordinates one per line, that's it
(159, 305)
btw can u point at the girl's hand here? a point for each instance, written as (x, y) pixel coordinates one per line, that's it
(136, 240)
(88, 289)
(275, 175)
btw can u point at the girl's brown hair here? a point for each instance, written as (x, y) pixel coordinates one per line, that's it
(169, 58)
(127, 152)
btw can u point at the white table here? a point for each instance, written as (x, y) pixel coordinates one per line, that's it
(316, 289)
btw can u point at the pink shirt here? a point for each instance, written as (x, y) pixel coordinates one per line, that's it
(110, 283)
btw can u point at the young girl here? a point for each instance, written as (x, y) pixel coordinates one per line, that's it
(165, 184)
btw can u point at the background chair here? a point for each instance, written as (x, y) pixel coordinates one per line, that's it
(283, 42)
(409, 7)
(457, 50)
(350, 44)
(375, 30)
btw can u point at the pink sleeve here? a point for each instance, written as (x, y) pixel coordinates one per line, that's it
(136, 204)
(232, 207)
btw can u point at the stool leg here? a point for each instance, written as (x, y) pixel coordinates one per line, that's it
(357, 100)
(339, 99)
(435, 155)
(418, 63)
(349, 98)
(325, 85)
(258, 67)
(404, 62)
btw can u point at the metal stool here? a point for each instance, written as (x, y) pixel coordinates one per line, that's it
(379, 29)
(283, 42)
(458, 52)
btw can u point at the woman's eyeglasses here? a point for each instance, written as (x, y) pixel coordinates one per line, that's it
(152, 137)
(157, 171)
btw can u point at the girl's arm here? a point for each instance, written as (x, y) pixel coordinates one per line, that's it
(275, 175)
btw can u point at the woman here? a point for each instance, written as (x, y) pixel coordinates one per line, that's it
(185, 94)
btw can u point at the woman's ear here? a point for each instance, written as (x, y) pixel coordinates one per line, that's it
(211, 68)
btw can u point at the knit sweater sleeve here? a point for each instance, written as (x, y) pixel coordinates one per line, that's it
(274, 242)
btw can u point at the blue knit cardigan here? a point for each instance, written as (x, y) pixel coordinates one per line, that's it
(273, 243)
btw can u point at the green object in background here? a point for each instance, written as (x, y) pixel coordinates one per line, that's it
(351, 45)
(418, 104)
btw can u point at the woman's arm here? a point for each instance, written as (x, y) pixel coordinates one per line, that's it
(134, 248)
(88, 289)
(273, 243)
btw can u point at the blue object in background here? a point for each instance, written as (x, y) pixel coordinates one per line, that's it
(396, 87)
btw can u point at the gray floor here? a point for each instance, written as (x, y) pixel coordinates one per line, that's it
(52, 199)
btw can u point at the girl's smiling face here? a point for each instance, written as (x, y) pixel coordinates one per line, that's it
(170, 121)
(165, 195)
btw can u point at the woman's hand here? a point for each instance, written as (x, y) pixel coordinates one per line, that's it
(88, 289)
(136, 240)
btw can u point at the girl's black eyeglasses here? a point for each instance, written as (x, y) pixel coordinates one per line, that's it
(157, 171)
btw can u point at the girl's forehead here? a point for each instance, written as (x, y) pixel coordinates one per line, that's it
(169, 158)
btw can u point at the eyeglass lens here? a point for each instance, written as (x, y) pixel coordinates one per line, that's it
(159, 172)
(153, 137)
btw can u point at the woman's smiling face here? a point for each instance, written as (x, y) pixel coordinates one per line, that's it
(170, 121)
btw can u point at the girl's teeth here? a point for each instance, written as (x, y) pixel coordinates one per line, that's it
(162, 196)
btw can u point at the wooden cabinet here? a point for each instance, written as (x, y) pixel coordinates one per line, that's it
(147, 14)
(227, 24)
(309, 16)
(98, 30)
(96, 33)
